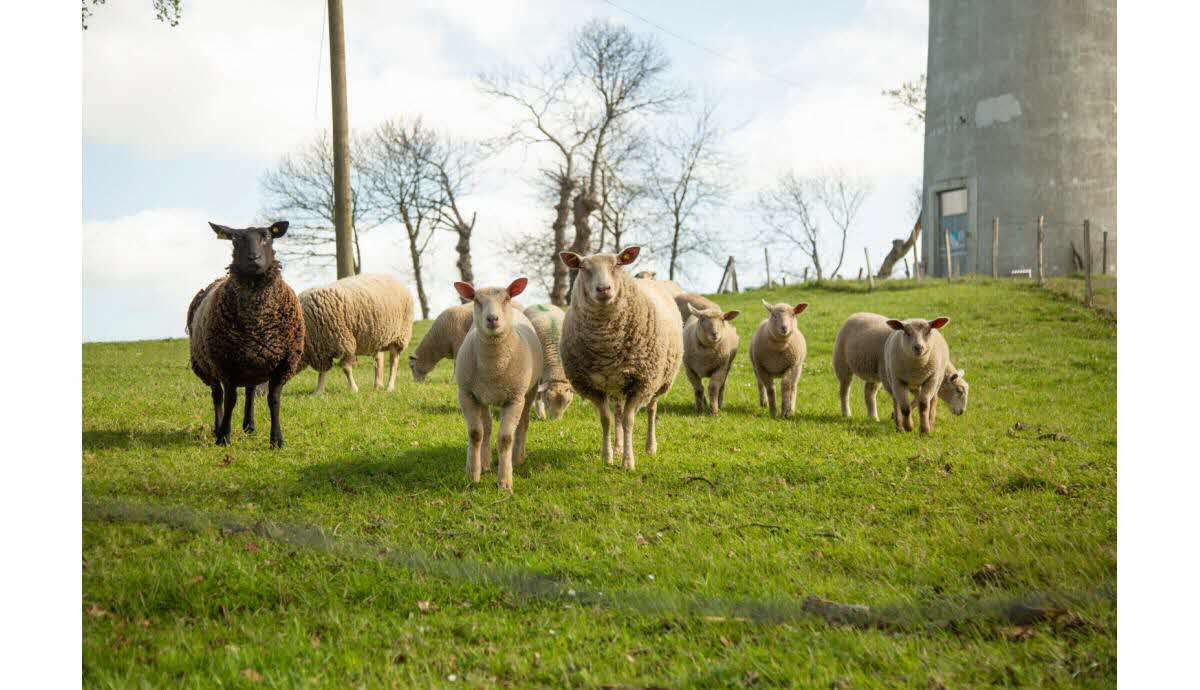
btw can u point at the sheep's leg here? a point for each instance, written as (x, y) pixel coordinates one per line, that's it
(274, 393)
(473, 414)
(771, 397)
(619, 423)
(248, 413)
(933, 403)
(348, 367)
(606, 420)
(697, 389)
(223, 431)
(395, 366)
(627, 416)
(762, 390)
(523, 428)
(870, 390)
(716, 390)
(903, 409)
(485, 450)
(845, 378)
(320, 382)
(926, 397)
(923, 414)
(652, 427)
(510, 418)
(787, 389)
(218, 398)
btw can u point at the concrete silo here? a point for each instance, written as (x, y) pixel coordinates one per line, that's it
(1021, 121)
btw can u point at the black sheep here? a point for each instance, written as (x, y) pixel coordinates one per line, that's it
(247, 328)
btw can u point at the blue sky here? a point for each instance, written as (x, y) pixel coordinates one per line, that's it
(179, 123)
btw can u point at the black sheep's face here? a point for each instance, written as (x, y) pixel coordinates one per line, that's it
(253, 252)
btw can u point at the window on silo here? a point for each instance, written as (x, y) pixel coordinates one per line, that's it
(953, 220)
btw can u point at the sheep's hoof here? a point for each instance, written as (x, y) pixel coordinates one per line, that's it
(506, 485)
(248, 428)
(276, 442)
(222, 440)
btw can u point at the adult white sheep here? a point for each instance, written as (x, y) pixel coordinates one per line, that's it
(622, 345)
(442, 341)
(498, 365)
(554, 393)
(710, 344)
(367, 314)
(858, 351)
(777, 351)
(914, 361)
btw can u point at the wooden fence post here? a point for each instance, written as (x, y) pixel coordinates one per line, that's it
(806, 274)
(767, 261)
(859, 273)
(1104, 261)
(1041, 253)
(870, 275)
(995, 247)
(1087, 263)
(949, 263)
(916, 263)
(906, 273)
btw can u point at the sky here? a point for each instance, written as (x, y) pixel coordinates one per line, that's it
(180, 123)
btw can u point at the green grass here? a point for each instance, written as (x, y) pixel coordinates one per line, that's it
(864, 515)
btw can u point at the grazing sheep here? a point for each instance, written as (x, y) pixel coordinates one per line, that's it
(710, 344)
(777, 351)
(555, 392)
(686, 300)
(498, 365)
(858, 351)
(914, 362)
(443, 340)
(622, 345)
(668, 287)
(246, 328)
(367, 314)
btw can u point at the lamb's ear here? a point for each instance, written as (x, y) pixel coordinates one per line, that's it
(223, 233)
(731, 315)
(543, 387)
(961, 374)
(628, 255)
(571, 259)
(517, 286)
(464, 289)
(939, 322)
(953, 375)
(800, 307)
(279, 228)
(896, 324)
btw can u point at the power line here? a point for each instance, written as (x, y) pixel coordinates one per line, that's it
(700, 46)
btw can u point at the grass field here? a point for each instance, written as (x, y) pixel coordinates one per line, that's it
(591, 576)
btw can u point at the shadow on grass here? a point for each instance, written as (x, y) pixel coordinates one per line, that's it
(124, 439)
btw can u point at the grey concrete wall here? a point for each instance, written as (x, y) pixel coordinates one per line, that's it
(1022, 110)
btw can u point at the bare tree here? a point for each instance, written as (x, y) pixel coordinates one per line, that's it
(452, 164)
(552, 116)
(686, 182)
(300, 188)
(624, 74)
(404, 187)
(622, 189)
(795, 208)
(901, 248)
(910, 96)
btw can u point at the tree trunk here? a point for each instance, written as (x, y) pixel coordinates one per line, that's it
(584, 204)
(341, 142)
(674, 250)
(357, 252)
(562, 210)
(463, 247)
(900, 249)
(416, 266)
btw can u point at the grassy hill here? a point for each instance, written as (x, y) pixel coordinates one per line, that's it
(359, 555)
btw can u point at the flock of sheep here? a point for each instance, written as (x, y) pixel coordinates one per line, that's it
(620, 345)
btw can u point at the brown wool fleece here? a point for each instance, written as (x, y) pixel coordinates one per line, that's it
(246, 330)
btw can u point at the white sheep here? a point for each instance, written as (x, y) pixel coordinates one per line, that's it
(858, 351)
(686, 300)
(622, 345)
(442, 340)
(777, 351)
(710, 344)
(367, 314)
(915, 362)
(498, 365)
(554, 393)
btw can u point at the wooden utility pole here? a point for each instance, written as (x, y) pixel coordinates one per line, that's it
(341, 142)
(995, 247)
(1104, 255)
(870, 276)
(1087, 263)
(949, 263)
(1041, 251)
